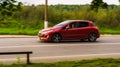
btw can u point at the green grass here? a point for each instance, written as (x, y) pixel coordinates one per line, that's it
(16, 31)
(109, 31)
(84, 63)
(30, 31)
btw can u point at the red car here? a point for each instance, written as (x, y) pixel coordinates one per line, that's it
(70, 30)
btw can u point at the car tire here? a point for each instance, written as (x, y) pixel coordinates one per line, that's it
(56, 38)
(92, 37)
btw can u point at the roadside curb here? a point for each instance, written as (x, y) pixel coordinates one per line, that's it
(32, 36)
(73, 57)
(109, 35)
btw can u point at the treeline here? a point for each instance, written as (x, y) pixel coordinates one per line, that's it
(33, 16)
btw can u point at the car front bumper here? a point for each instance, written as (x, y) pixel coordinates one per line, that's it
(44, 37)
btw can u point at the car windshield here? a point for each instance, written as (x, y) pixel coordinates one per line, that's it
(61, 24)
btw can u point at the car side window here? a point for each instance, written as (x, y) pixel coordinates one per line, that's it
(82, 24)
(72, 25)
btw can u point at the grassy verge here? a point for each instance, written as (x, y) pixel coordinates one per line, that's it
(109, 31)
(16, 31)
(28, 31)
(84, 63)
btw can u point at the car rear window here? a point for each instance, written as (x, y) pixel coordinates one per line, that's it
(82, 24)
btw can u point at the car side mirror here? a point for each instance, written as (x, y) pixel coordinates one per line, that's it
(67, 27)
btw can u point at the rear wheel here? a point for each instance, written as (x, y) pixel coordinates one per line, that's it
(92, 37)
(56, 38)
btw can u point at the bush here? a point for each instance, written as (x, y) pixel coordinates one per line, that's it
(33, 16)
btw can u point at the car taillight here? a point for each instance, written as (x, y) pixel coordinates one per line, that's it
(97, 28)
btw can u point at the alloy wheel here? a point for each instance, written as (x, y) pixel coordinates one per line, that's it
(92, 37)
(56, 38)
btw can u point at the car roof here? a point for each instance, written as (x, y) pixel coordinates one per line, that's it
(79, 20)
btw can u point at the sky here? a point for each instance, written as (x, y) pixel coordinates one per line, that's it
(74, 2)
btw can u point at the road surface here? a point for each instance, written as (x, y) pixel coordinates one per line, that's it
(105, 45)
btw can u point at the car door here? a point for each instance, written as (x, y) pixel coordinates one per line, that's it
(82, 30)
(69, 32)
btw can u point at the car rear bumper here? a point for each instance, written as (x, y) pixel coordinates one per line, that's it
(98, 36)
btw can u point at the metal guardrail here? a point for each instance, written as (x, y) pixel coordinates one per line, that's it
(25, 52)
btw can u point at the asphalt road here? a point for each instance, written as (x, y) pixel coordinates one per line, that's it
(103, 45)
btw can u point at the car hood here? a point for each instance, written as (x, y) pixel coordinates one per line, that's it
(48, 29)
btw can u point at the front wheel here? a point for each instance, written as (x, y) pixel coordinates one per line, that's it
(92, 37)
(56, 38)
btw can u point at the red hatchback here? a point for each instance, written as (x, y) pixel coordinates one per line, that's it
(70, 30)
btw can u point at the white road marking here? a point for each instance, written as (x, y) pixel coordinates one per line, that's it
(84, 44)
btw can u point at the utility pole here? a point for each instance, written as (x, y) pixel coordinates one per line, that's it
(46, 14)
(119, 2)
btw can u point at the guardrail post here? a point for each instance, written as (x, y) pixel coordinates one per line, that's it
(28, 60)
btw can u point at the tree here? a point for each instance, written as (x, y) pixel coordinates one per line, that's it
(7, 7)
(96, 4)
